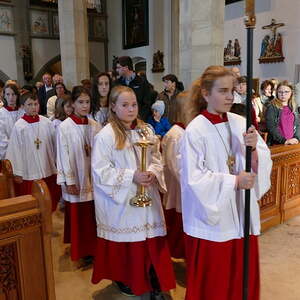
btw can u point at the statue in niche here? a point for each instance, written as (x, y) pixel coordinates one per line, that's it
(271, 45)
(232, 53)
(158, 62)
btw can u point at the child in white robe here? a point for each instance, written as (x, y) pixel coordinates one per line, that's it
(10, 113)
(131, 241)
(74, 142)
(212, 190)
(31, 150)
(63, 109)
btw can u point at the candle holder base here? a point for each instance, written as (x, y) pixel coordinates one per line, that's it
(141, 200)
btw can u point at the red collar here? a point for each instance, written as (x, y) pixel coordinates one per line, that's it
(213, 118)
(9, 108)
(180, 125)
(31, 119)
(79, 121)
(133, 124)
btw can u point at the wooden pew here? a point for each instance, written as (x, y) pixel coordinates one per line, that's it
(6, 180)
(282, 202)
(25, 245)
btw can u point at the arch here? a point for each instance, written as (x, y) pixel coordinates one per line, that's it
(55, 60)
(139, 64)
(3, 77)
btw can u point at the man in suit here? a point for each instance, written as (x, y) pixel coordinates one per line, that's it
(47, 86)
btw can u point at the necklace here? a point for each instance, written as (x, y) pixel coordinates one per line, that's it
(230, 158)
(37, 140)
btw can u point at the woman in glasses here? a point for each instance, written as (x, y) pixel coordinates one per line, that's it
(282, 118)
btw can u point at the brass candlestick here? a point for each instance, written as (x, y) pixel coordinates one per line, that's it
(142, 199)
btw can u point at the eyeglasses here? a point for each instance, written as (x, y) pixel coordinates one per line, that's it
(284, 92)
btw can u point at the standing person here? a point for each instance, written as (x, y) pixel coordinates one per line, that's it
(57, 78)
(131, 245)
(63, 109)
(43, 91)
(10, 113)
(282, 118)
(31, 150)
(75, 138)
(172, 87)
(100, 93)
(140, 87)
(212, 191)
(60, 90)
(170, 145)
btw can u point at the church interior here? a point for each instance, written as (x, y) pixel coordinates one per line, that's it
(75, 41)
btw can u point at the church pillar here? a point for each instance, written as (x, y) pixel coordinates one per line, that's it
(201, 37)
(73, 35)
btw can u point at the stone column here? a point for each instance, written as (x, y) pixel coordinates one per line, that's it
(73, 35)
(201, 35)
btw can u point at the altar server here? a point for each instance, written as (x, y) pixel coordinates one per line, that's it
(10, 113)
(75, 137)
(131, 245)
(212, 191)
(31, 150)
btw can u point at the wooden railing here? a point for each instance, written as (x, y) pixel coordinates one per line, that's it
(282, 202)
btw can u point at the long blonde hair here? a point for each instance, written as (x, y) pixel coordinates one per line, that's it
(116, 124)
(206, 82)
(182, 114)
(291, 103)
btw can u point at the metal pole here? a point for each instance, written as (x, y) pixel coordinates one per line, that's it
(250, 21)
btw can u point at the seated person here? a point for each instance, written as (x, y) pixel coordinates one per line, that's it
(160, 124)
(282, 118)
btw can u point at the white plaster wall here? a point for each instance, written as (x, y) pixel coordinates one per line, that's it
(43, 50)
(97, 55)
(284, 12)
(159, 36)
(8, 64)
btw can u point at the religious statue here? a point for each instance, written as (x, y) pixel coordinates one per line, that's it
(158, 62)
(27, 62)
(271, 45)
(232, 53)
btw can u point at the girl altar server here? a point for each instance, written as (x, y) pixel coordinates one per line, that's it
(131, 245)
(10, 113)
(31, 150)
(75, 137)
(170, 145)
(212, 191)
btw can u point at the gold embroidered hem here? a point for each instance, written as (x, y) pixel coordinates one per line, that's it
(119, 181)
(134, 229)
(69, 174)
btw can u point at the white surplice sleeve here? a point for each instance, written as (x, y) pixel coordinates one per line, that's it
(208, 189)
(64, 170)
(113, 181)
(4, 138)
(13, 154)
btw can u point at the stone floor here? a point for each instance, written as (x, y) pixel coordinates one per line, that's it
(279, 255)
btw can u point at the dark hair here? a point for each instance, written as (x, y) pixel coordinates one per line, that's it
(173, 78)
(265, 84)
(239, 109)
(77, 91)
(85, 81)
(59, 107)
(241, 79)
(26, 96)
(59, 83)
(95, 105)
(16, 91)
(125, 61)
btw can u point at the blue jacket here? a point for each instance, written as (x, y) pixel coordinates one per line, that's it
(162, 127)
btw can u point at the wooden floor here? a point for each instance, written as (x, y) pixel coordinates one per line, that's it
(279, 255)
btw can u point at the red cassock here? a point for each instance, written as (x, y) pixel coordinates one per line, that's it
(215, 269)
(130, 262)
(25, 188)
(80, 228)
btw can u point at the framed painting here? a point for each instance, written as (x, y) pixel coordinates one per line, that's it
(39, 23)
(6, 20)
(98, 30)
(135, 16)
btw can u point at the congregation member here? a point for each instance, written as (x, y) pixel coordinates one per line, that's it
(132, 249)
(59, 90)
(10, 113)
(101, 88)
(282, 118)
(75, 138)
(141, 88)
(212, 191)
(31, 150)
(57, 78)
(42, 91)
(63, 109)
(240, 90)
(172, 87)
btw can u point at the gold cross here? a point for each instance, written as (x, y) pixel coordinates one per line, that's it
(37, 143)
(230, 163)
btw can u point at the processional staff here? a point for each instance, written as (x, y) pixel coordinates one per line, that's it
(250, 21)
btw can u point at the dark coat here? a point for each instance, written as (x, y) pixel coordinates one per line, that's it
(43, 100)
